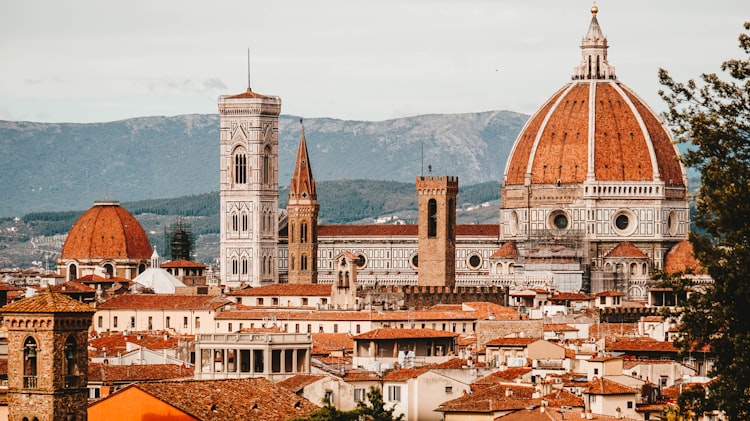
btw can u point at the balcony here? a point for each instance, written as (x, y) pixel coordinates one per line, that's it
(29, 382)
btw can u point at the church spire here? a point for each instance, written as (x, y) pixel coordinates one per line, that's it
(303, 183)
(594, 64)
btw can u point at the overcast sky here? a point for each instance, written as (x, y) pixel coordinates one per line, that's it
(95, 60)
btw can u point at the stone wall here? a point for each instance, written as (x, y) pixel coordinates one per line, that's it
(488, 330)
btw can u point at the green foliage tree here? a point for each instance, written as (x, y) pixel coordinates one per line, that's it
(372, 410)
(713, 117)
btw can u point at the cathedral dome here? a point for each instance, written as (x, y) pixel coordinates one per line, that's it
(594, 129)
(106, 231)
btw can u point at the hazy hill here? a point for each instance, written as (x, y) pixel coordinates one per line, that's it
(63, 166)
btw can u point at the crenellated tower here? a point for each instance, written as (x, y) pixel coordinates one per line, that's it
(249, 188)
(437, 230)
(302, 219)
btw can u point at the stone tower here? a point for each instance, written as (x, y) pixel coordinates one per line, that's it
(302, 216)
(249, 188)
(47, 357)
(344, 289)
(437, 230)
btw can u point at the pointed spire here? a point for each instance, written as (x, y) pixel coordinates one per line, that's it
(594, 64)
(155, 259)
(303, 183)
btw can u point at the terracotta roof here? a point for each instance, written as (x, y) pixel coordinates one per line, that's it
(315, 290)
(571, 296)
(609, 330)
(626, 249)
(217, 400)
(112, 343)
(47, 302)
(4, 286)
(405, 374)
(249, 94)
(525, 415)
(602, 386)
(96, 279)
(382, 230)
(136, 373)
(492, 399)
(681, 259)
(72, 287)
(559, 327)
(642, 344)
(506, 251)
(522, 342)
(361, 376)
(485, 310)
(299, 381)
(503, 376)
(324, 343)
(182, 263)
(564, 397)
(405, 334)
(454, 363)
(106, 231)
(163, 301)
(557, 137)
(609, 294)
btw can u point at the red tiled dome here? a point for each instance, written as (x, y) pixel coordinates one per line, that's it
(106, 231)
(594, 120)
(594, 129)
(681, 259)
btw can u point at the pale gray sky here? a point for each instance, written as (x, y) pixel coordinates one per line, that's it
(96, 60)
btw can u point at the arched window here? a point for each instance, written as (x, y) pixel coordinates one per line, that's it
(303, 232)
(266, 165)
(244, 265)
(234, 266)
(30, 363)
(303, 262)
(73, 272)
(109, 269)
(235, 222)
(71, 362)
(244, 222)
(240, 167)
(141, 268)
(432, 218)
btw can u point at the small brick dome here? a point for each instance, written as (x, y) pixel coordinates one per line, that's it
(106, 231)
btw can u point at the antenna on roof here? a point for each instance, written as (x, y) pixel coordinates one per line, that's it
(248, 69)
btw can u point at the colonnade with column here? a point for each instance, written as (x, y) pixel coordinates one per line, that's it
(275, 356)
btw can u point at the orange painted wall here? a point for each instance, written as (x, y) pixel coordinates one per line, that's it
(132, 403)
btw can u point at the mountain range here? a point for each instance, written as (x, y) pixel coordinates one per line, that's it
(47, 167)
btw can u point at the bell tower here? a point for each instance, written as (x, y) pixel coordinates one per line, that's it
(302, 216)
(47, 357)
(249, 191)
(436, 198)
